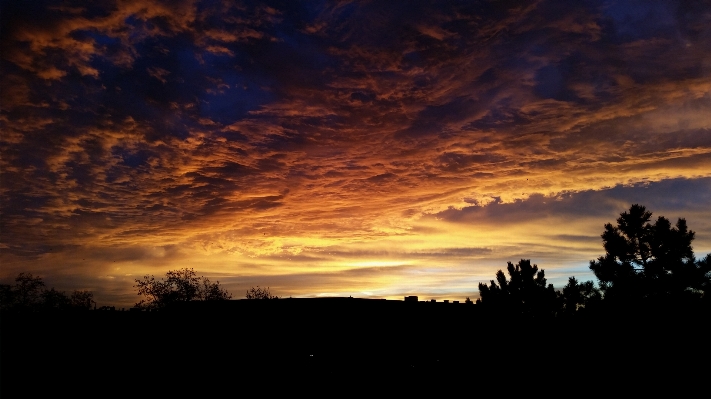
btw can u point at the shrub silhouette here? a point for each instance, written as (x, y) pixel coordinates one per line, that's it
(260, 293)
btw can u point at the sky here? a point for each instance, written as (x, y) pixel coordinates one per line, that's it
(334, 148)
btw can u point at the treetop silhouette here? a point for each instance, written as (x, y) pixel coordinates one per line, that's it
(29, 294)
(260, 293)
(178, 286)
(576, 296)
(525, 294)
(644, 260)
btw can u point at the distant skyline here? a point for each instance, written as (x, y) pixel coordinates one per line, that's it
(336, 148)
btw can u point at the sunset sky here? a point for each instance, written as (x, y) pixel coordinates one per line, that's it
(334, 148)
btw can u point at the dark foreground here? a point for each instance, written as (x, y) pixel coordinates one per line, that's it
(338, 346)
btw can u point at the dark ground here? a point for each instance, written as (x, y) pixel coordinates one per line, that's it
(338, 346)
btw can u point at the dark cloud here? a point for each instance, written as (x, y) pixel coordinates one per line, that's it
(675, 195)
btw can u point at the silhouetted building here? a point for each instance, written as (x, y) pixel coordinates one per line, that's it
(411, 298)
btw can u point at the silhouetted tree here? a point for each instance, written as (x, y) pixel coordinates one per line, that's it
(646, 261)
(179, 286)
(576, 296)
(55, 300)
(704, 267)
(82, 300)
(6, 297)
(28, 294)
(260, 293)
(211, 291)
(525, 294)
(25, 296)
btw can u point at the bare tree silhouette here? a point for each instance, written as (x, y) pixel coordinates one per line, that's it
(260, 293)
(29, 294)
(181, 285)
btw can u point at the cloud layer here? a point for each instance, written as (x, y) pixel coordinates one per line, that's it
(362, 140)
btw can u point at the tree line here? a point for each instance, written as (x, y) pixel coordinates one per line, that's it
(645, 264)
(183, 286)
(29, 294)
